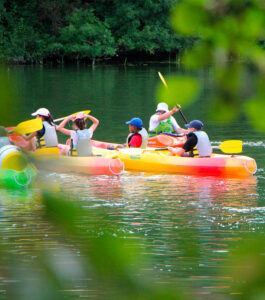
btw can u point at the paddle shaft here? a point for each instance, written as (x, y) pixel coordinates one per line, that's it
(183, 117)
(60, 119)
(230, 146)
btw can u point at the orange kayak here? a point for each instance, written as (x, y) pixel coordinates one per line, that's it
(89, 165)
(50, 159)
(165, 140)
(158, 141)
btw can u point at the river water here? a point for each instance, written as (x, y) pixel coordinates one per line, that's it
(167, 216)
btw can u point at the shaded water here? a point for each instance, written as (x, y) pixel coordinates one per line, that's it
(160, 212)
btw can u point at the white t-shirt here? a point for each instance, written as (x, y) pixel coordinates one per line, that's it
(153, 123)
(74, 136)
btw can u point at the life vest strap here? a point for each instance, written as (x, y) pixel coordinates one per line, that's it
(40, 143)
(72, 149)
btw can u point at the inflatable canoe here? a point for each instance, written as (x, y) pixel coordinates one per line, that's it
(157, 161)
(49, 159)
(15, 170)
(17, 179)
(158, 141)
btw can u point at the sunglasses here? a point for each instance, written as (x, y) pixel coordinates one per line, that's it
(160, 111)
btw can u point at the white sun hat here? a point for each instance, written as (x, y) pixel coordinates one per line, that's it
(41, 112)
(162, 107)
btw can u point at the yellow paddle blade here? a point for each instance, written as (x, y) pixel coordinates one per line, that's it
(86, 112)
(232, 146)
(162, 79)
(28, 126)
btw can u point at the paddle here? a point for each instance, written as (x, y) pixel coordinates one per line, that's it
(231, 146)
(86, 112)
(28, 126)
(165, 84)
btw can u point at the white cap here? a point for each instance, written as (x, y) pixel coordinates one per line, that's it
(42, 112)
(162, 106)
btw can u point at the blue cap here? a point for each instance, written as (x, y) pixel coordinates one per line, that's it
(195, 124)
(136, 122)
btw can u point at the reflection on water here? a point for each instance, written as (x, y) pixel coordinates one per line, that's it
(160, 211)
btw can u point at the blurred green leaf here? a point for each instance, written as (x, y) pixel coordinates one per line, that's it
(199, 56)
(181, 90)
(255, 109)
(189, 18)
(223, 111)
(228, 33)
(112, 261)
(248, 270)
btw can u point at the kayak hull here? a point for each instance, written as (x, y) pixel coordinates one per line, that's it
(157, 161)
(89, 165)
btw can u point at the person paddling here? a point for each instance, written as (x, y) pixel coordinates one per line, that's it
(195, 138)
(80, 136)
(163, 121)
(47, 136)
(138, 136)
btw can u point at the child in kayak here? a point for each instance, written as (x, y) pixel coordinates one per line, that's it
(195, 138)
(138, 136)
(47, 136)
(80, 136)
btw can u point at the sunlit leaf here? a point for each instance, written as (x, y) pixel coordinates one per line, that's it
(223, 111)
(190, 19)
(248, 271)
(181, 90)
(255, 109)
(190, 58)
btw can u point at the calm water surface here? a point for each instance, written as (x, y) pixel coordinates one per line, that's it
(160, 212)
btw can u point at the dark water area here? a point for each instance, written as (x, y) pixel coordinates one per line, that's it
(164, 214)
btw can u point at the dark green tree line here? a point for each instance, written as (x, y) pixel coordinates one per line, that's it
(32, 31)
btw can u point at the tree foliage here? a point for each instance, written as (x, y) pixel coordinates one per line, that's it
(229, 35)
(35, 30)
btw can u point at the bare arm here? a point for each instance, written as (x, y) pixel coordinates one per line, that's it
(29, 137)
(61, 128)
(175, 151)
(94, 120)
(182, 130)
(168, 114)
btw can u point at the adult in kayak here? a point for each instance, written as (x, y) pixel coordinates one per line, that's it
(195, 138)
(80, 136)
(47, 136)
(138, 136)
(163, 121)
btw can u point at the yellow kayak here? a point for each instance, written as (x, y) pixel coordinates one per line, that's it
(157, 161)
